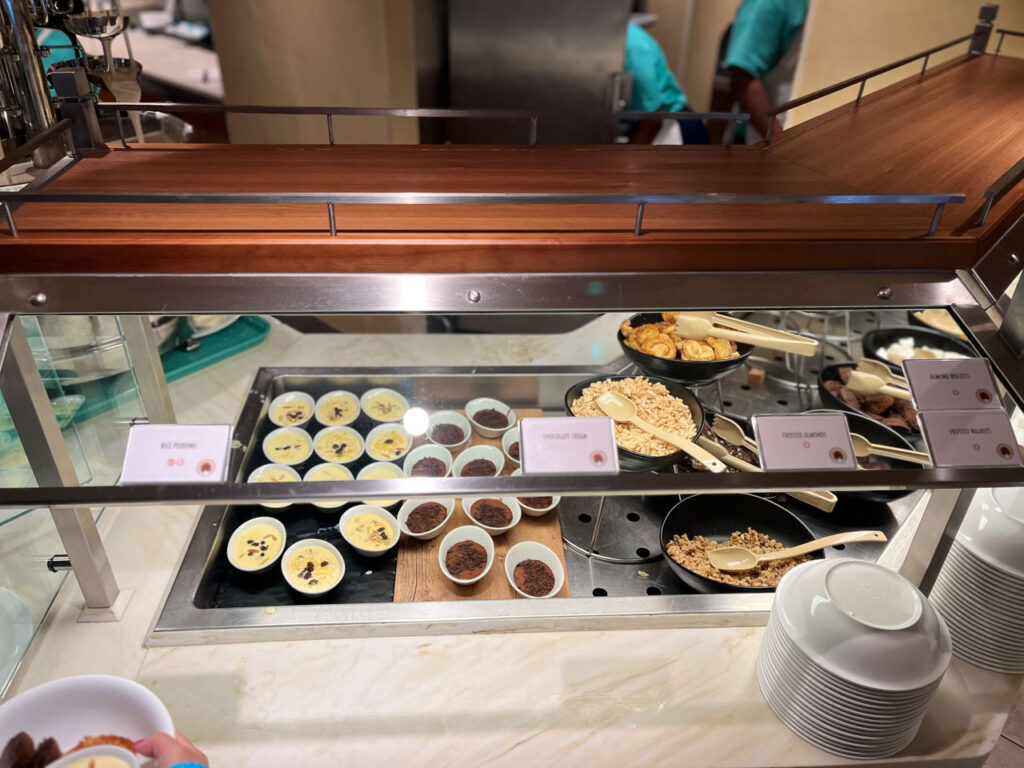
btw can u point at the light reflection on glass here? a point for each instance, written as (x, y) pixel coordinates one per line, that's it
(415, 421)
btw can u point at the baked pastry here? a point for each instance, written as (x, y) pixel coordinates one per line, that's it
(106, 739)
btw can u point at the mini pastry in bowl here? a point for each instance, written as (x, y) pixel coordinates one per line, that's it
(369, 529)
(288, 445)
(494, 515)
(381, 470)
(466, 555)
(382, 404)
(490, 418)
(274, 473)
(339, 445)
(256, 544)
(425, 518)
(428, 461)
(322, 473)
(479, 461)
(388, 442)
(292, 409)
(312, 566)
(337, 408)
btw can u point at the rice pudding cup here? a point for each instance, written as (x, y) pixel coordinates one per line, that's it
(322, 401)
(286, 399)
(318, 468)
(345, 434)
(372, 509)
(370, 394)
(383, 429)
(293, 477)
(393, 472)
(274, 523)
(293, 434)
(332, 550)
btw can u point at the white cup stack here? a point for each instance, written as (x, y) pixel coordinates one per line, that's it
(852, 656)
(980, 589)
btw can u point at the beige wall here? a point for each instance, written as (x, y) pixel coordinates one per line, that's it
(337, 52)
(843, 38)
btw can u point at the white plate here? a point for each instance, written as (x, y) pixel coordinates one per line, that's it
(15, 632)
(73, 708)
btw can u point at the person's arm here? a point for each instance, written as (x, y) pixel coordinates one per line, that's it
(172, 751)
(750, 92)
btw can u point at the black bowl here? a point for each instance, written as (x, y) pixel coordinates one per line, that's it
(691, 372)
(876, 432)
(833, 403)
(717, 517)
(923, 337)
(631, 460)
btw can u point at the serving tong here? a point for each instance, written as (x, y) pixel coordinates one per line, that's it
(700, 325)
(882, 371)
(869, 384)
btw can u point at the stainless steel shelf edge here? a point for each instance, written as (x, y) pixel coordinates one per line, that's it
(320, 293)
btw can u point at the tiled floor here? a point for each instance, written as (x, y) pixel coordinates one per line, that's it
(1009, 751)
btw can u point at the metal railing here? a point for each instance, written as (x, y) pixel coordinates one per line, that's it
(862, 80)
(1002, 36)
(1000, 187)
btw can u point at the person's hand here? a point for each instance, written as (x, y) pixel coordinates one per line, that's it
(170, 750)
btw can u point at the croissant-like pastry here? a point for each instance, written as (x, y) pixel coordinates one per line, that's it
(697, 350)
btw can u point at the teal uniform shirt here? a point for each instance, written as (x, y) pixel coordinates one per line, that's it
(655, 88)
(762, 33)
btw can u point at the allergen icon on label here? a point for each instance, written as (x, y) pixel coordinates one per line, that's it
(598, 458)
(838, 455)
(984, 396)
(206, 467)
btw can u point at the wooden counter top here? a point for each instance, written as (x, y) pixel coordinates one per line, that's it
(954, 130)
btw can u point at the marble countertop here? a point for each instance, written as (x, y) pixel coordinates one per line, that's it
(622, 698)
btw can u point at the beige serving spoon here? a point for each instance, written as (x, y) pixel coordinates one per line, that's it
(869, 384)
(742, 559)
(882, 371)
(864, 447)
(621, 408)
(731, 432)
(692, 327)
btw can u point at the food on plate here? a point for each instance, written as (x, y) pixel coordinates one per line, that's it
(384, 406)
(534, 578)
(513, 450)
(891, 411)
(383, 471)
(325, 473)
(369, 531)
(904, 349)
(491, 512)
(313, 568)
(466, 560)
(940, 320)
(429, 467)
(479, 468)
(389, 444)
(22, 752)
(337, 410)
(295, 412)
(289, 446)
(426, 517)
(654, 404)
(536, 502)
(257, 545)
(272, 473)
(340, 446)
(693, 555)
(662, 340)
(99, 761)
(491, 418)
(447, 434)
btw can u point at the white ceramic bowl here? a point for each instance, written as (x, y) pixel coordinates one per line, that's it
(321, 589)
(394, 472)
(274, 523)
(474, 452)
(285, 399)
(377, 431)
(90, 753)
(260, 471)
(309, 478)
(335, 393)
(532, 550)
(342, 433)
(478, 404)
(450, 417)
(405, 510)
(509, 501)
(294, 433)
(993, 529)
(373, 509)
(71, 708)
(535, 511)
(512, 436)
(371, 393)
(466, 533)
(863, 623)
(428, 451)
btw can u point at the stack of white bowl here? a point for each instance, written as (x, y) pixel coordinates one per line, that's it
(980, 589)
(852, 656)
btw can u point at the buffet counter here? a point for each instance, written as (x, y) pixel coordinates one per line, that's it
(651, 697)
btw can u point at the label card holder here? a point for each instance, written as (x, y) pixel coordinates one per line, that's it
(952, 385)
(974, 438)
(568, 445)
(176, 453)
(814, 442)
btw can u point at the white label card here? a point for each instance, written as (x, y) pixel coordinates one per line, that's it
(568, 445)
(808, 441)
(176, 453)
(970, 438)
(952, 385)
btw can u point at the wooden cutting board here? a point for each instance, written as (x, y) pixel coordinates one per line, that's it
(419, 577)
